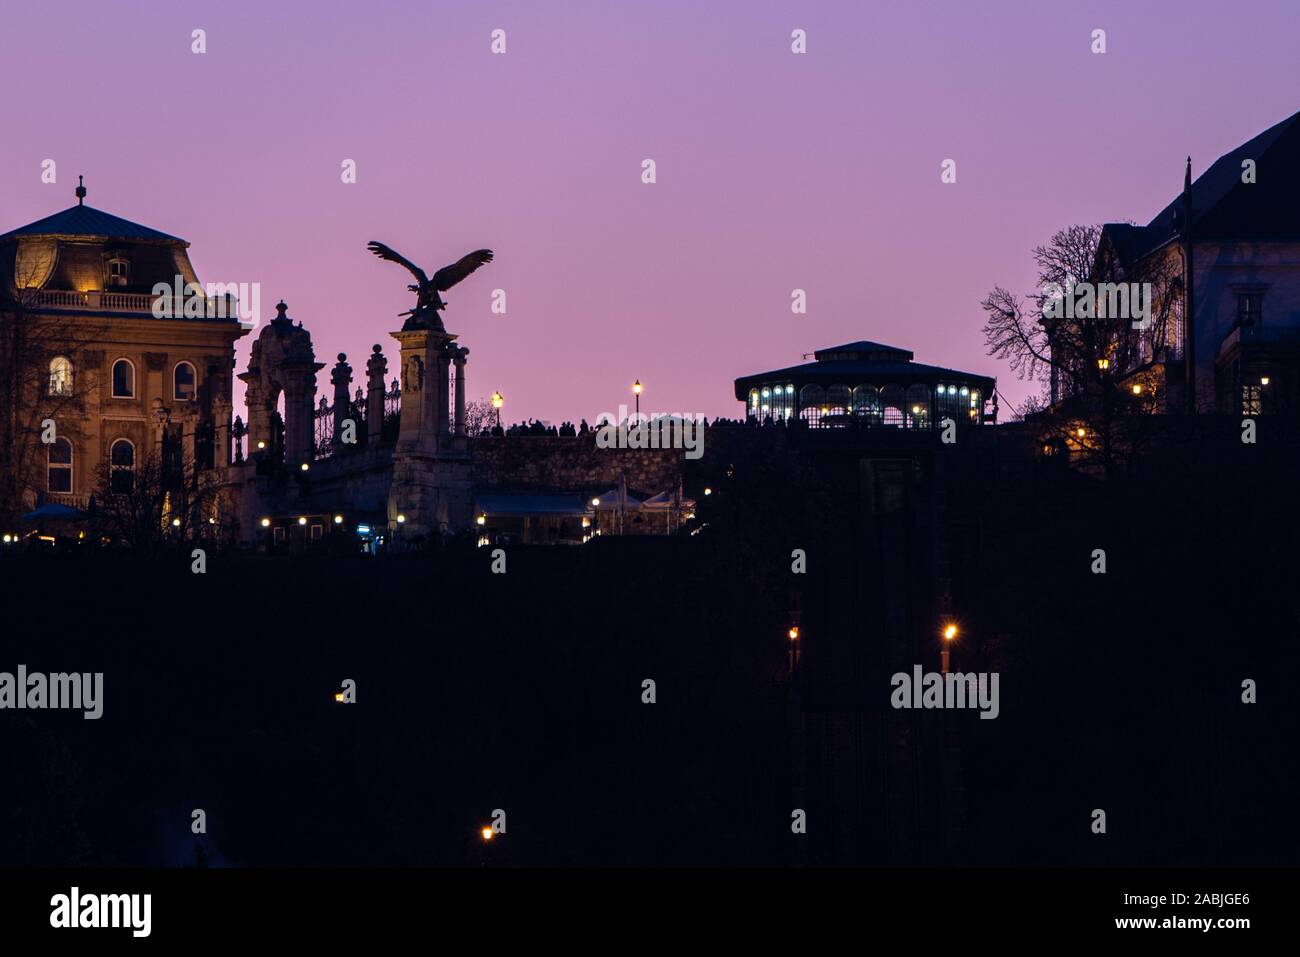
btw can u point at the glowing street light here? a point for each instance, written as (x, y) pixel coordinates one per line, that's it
(949, 635)
(708, 491)
(498, 400)
(636, 390)
(401, 520)
(266, 523)
(304, 466)
(595, 503)
(482, 520)
(302, 519)
(486, 833)
(794, 633)
(338, 519)
(1263, 380)
(176, 523)
(1137, 389)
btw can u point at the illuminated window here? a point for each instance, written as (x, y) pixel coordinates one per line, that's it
(183, 382)
(122, 466)
(119, 272)
(893, 399)
(60, 376)
(1251, 400)
(59, 477)
(123, 379)
(917, 406)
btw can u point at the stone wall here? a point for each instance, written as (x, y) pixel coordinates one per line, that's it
(569, 463)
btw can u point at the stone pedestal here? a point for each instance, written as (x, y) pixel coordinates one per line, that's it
(431, 470)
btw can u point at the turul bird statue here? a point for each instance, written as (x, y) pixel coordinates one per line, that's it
(428, 303)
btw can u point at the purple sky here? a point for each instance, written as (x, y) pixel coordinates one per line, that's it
(775, 171)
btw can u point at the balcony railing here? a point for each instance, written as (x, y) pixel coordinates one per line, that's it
(127, 302)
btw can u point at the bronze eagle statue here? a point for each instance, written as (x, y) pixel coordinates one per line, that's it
(428, 303)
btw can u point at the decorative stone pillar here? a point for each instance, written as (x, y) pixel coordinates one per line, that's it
(341, 378)
(376, 369)
(459, 354)
(443, 397)
(300, 411)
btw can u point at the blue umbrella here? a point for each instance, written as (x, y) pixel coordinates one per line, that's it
(54, 512)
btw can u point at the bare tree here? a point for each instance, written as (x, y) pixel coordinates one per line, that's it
(479, 416)
(1096, 363)
(161, 500)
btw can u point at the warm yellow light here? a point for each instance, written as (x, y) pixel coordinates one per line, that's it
(1137, 389)
(266, 523)
(338, 696)
(1081, 432)
(482, 519)
(1103, 364)
(950, 633)
(261, 445)
(708, 491)
(302, 520)
(486, 833)
(636, 386)
(1263, 380)
(304, 466)
(794, 633)
(338, 519)
(595, 502)
(176, 523)
(8, 539)
(401, 519)
(498, 400)
(212, 521)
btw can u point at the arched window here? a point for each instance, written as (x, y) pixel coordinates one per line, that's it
(947, 403)
(782, 401)
(753, 403)
(866, 404)
(183, 380)
(123, 379)
(811, 400)
(59, 476)
(918, 407)
(122, 466)
(839, 399)
(893, 400)
(60, 376)
(119, 271)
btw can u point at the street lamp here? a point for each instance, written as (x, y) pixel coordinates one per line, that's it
(498, 400)
(949, 634)
(636, 390)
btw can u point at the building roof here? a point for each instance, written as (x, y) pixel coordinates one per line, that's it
(86, 222)
(860, 371)
(1225, 208)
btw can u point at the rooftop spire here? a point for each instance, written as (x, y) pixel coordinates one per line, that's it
(1187, 176)
(81, 190)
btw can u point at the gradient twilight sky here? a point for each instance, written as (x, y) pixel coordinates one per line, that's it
(775, 171)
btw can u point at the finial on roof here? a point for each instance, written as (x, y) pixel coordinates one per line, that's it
(81, 189)
(1187, 176)
(281, 312)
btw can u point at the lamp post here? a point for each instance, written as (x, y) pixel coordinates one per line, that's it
(636, 390)
(793, 635)
(949, 633)
(498, 400)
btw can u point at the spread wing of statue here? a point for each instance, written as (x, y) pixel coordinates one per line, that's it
(428, 303)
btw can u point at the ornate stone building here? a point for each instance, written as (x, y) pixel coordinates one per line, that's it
(83, 349)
